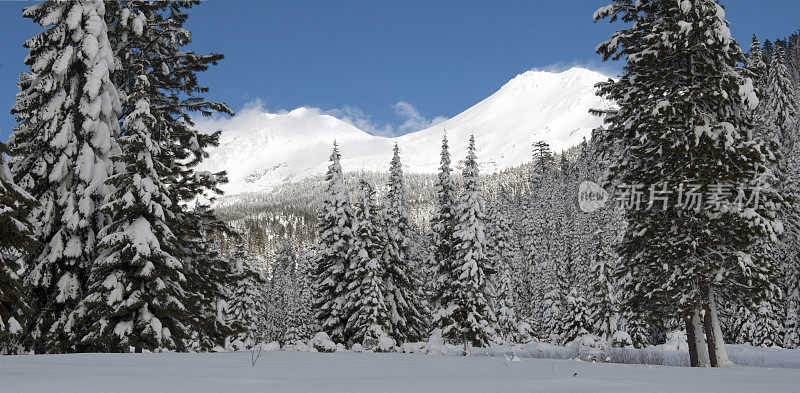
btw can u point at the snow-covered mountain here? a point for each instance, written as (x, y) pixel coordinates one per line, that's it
(261, 150)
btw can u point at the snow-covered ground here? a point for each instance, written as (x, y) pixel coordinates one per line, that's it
(279, 371)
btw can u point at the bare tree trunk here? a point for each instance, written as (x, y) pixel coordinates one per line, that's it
(712, 353)
(700, 340)
(714, 330)
(687, 319)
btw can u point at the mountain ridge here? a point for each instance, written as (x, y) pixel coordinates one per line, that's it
(261, 150)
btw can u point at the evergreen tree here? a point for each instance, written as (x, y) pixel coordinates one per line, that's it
(408, 321)
(333, 252)
(443, 223)
(469, 314)
(16, 242)
(684, 118)
(510, 328)
(576, 320)
(369, 314)
(768, 328)
(755, 64)
(553, 307)
(746, 331)
(209, 277)
(301, 326)
(604, 312)
(136, 293)
(543, 160)
(779, 111)
(247, 309)
(67, 111)
(282, 291)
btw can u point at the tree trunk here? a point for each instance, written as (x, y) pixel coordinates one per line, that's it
(709, 331)
(700, 340)
(687, 319)
(714, 330)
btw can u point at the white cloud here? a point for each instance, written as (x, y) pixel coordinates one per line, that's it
(414, 121)
(361, 120)
(410, 119)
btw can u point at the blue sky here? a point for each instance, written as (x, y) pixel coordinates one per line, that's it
(387, 63)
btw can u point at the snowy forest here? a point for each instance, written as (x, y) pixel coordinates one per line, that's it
(111, 239)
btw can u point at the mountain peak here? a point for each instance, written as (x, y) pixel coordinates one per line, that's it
(261, 150)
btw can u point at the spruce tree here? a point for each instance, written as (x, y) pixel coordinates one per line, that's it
(282, 291)
(301, 324)
(247, 308)
(576, 320)
(16, 243)
(510, 327)
(543, 160)
(746, 331)
(603, 307)
(554, 305)
(684, 118)
(368, 312)
(756, 65)
(136, 293)
(402, 291)
(779, 111)
(443, 223)
(208, 276)
(470, 316)
(333, 252)
(67, 112)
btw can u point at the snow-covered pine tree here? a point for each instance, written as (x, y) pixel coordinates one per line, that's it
(149, 39)
(768, 328)
(781, 119)
(368, 313)
(603, 307)
(16, 243)
(282, 290)
(469, 312)
(755, 64)
(443, 223)
(67, 112)
(402, 289)
(543, 161)
(174, 71)
(209, 277)
(551, 327)
(576, 320)
(136, 292)
(301, 324)
(502, 252)
(745, 331)
(247, 308)
(333, 252)
(684, 118)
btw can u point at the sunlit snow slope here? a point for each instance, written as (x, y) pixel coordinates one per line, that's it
(261, 150)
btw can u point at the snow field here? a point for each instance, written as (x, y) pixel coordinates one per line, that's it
(293, 371)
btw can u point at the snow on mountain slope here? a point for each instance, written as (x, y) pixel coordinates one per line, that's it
(261, 150)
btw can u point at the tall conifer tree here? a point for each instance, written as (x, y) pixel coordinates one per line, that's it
(471, 319)
(335, 226)
(684, 118)
(67, 112)
(408, 323)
